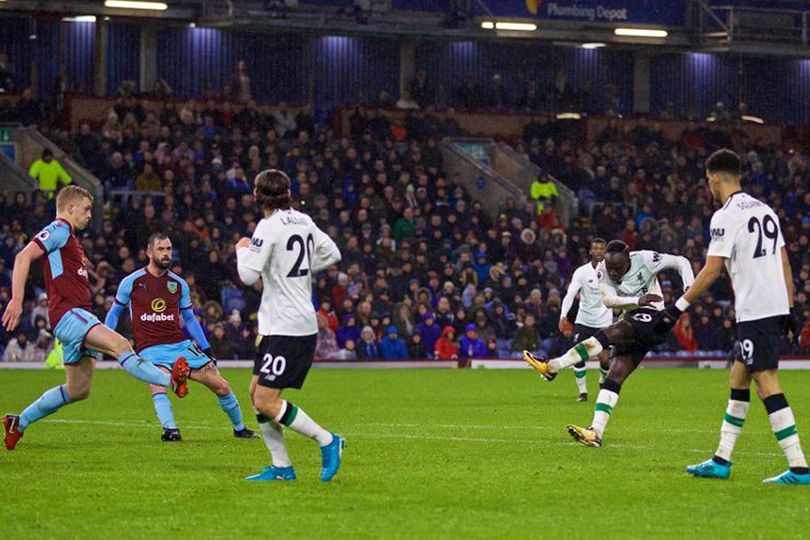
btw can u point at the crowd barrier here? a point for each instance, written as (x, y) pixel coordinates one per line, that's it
(786, 362)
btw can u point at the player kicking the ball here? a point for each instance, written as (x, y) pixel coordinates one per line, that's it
(745, 237)
(592, 315)
(157, 298)
(70, 310)
(287, 248)
(631, 284)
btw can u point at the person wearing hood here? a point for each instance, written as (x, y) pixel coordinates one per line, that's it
(368, 347)
(445, 348)
(471, 346)
(416, 346)
(392, 347)
(430, 331)
(348, 330)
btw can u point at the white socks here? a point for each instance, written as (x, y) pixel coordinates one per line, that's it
(578, 353)
(297, 420)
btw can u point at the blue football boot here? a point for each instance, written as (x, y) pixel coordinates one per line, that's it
(789, 477)
(710, 469)
(272, 473)
(331, 457)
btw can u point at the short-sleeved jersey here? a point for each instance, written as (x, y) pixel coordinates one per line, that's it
(64, 269)
(286, 249)
(746, 233)
(642, 277)
(592, 311)
(154, 307)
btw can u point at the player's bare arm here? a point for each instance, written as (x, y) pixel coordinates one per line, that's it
(22, 265)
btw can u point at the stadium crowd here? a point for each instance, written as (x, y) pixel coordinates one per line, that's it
(426, 273)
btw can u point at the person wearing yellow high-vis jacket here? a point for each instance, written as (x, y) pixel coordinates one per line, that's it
(544, 191)
(49, 173)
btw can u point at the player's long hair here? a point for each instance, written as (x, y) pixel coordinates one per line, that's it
(273, 190)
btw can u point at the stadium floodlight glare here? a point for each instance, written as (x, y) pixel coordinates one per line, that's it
(569, 116)
(80, 18)
(136, 4)
(640, 32)
(593, 45)
(513, 26)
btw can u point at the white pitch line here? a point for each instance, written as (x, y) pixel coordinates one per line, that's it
(419, 437)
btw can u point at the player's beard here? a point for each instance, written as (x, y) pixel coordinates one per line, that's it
(163, 265)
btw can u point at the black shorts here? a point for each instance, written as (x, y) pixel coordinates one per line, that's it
(759, 343)
(284, 361)
(582, 332)
(647, 331)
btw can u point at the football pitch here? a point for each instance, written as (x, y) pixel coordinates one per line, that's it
(450, 454)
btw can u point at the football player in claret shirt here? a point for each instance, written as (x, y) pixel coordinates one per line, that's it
(70, 311)
(157, 299)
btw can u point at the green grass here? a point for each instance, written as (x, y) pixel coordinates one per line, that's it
(454, 454)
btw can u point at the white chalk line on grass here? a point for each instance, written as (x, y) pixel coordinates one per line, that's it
(418, 437)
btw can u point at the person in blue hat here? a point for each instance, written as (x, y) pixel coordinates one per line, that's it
(392, 347)
(470, 345)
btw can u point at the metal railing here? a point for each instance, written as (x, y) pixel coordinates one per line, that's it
(771, 25)
(483, 182)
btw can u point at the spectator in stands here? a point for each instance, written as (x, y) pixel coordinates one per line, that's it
(29, 110)
(468, 94)
(544, 191)
(470, 345)
(392, 347)
(6, 74)
(498, 96)
(40, 310)
(416, 347)
(532, 98)
(804, 336)
(49, 173)
(446, 348)
(19, 349)
(148, 180)
(348, 331)
(219, 344)
(430, 332)
(685, 334)
(284, 122)
(422, 92)
(526, 337)
(326, 347)
(240, 85)
(368, 348)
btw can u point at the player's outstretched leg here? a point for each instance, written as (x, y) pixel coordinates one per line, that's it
(580, 352)
(102, 339)
(719, 466)
(580, 373)
(331, 444)
(784, 428)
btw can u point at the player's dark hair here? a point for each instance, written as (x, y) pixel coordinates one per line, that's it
(616, 246)
(273, 190)
(154, 238)
(597, 240)
(724, 161)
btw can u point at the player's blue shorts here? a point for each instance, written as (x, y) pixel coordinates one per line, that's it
(167, 355)
(71, 331)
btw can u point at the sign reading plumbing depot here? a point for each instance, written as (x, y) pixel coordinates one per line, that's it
(660, 12)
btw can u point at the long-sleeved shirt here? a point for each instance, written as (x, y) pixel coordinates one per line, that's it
(49, 175)
(592, 311)
(286, 249)
(642, 278)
